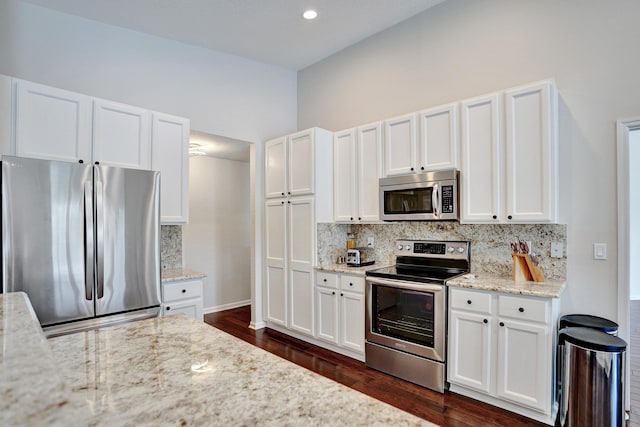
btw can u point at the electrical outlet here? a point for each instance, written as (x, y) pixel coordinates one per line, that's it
(556, 250)
(370, 242)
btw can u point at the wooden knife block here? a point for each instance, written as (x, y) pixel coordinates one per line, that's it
(525, 270)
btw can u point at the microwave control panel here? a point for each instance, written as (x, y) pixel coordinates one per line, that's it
(447, 199)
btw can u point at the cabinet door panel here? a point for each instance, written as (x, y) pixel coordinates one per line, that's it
(170, 156)
(275, 153)
(51, 123)
(344, 184)
(530, 150)
(400, 145)
(369, 171)
(301, 313)
(352, 321)
(470, 345)
(121, 135)
(275, 217)
(327, 314)
(481, 160)
(301, 163)
(276, 295)
(301, 233)
(439, 138)
(524, 375)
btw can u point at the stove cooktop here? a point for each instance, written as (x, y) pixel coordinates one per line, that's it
(422, 275)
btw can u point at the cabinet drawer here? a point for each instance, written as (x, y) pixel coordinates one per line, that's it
(329, 280)
(475, 301)
(523, 308)
(352, 283)
(177, 291)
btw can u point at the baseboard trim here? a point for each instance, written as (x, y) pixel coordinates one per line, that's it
(257, 325)
(223, 307)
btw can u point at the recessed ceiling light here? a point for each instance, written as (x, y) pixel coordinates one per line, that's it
(310, 14)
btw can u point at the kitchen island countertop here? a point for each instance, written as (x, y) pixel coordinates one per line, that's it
(487, 282)
(164, 371)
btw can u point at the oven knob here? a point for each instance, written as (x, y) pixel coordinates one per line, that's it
(408, 247)
(450, 249)
(461, 250)
(400, 247)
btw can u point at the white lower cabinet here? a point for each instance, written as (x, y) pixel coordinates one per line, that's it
(340, 312)
(502, 350)
(182, 296)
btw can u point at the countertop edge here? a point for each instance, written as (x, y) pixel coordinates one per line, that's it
(548, 289)
(175, 274)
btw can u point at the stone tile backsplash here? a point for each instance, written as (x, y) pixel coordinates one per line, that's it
(171, 246)
(490, 249)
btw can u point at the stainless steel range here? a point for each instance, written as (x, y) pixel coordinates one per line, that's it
(407, 310)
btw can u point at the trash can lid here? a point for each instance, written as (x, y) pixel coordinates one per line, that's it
(589, 321)
(592, 339)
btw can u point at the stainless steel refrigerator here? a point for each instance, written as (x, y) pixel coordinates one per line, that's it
(82, 241)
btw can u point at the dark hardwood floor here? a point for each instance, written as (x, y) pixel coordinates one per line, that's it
(447, 409)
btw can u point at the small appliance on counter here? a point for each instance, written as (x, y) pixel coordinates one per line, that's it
(360, 257)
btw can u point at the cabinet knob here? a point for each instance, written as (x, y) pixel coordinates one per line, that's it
(288, 192)
(509, 217)
(283, 193)
(411, 169)
(495, 217)
(289, 201)
(485, 321)
(97, 163)
(184, 291)
(80, 161)
(350, 284)
(351, 218)
(333, 293)
(422, 168)
(341, 294)
(501, 323)
(282, 202)
(468, 301)
(168, 308)
(521, 309)
(324, 280)
(359, 218)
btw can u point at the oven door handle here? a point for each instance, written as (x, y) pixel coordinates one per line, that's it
(406, 285)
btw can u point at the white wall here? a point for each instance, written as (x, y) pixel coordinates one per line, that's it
(634, 217)
(222, 94)
(217, 239)
(464, 48)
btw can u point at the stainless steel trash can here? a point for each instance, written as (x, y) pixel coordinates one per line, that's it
(593, 378)
(589, 321)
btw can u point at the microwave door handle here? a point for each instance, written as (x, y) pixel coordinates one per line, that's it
(435, 200)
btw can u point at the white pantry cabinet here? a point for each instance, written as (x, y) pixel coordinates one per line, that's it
(340, 311)
(55, 124)
(182, 296)
(357, 169)
(170, 156)
(502, 350)
(304, 198)
(509, 171)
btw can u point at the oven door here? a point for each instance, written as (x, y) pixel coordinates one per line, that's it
(406, 316)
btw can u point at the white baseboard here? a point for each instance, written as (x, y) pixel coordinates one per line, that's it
(215, 309)
(257, 325)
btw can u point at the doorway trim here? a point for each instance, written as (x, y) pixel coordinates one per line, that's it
(624, 126)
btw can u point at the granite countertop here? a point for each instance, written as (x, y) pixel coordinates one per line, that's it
(487, 282)
(344, 268)
(164, 371)
(172, 274)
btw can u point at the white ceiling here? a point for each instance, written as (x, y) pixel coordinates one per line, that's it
(268, 31)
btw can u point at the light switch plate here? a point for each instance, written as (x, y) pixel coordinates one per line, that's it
(600, 251)
(556, 250)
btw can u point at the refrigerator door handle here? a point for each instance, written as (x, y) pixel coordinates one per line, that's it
(88, 241)
(100, 239)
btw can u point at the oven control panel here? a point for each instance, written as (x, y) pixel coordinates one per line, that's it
(432, 249)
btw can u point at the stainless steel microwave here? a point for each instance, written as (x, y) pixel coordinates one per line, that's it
(429, 196)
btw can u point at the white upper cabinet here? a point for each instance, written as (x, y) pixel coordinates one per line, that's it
(438, 142)
(511, 178)
(52, 123)
(121, 135)
(6, 115)
(400, 145)
(357, 168)
(301, 163)
(531, 150)
(170, 156)
(480, 185)
(275, 153)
